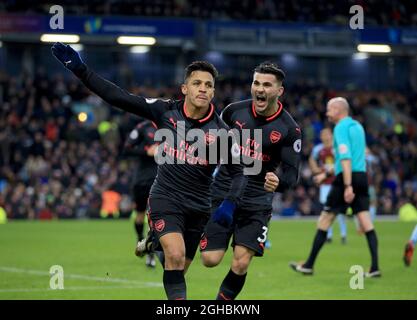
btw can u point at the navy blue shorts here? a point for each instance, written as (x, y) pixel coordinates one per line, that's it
(166, 216)
(249, 229)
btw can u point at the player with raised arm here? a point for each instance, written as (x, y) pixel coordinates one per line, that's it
(179, 201)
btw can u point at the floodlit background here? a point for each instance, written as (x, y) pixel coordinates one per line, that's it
(60, 146)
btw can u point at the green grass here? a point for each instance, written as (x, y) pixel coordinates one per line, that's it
(98, 262)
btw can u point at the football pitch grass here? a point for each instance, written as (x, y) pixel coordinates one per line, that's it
(98, 263)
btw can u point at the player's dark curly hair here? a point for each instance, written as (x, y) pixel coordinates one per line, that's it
(271, 68)
(200, 66)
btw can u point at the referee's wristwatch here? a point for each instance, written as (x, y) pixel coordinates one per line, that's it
(347, 186)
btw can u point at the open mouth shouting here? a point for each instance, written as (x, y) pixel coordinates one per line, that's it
(260, 101)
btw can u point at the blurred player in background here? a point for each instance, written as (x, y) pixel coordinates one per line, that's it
(278, 148)
(349, 189)
(321, 162)
(141, 145)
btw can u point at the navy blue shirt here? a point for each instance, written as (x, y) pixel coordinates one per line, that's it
(186, 183)
(279, 152)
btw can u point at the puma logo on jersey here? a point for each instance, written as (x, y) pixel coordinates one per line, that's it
(240, 124)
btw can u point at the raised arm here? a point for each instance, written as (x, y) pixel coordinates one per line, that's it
(105, 89)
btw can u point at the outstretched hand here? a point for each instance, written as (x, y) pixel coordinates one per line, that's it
(67, 56)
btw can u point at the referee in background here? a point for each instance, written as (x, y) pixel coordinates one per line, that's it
(349, 189)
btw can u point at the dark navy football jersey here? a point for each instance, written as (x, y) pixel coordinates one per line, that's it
(279, 151)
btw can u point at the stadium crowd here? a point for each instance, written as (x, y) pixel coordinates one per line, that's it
(54, 166)
(377, 12)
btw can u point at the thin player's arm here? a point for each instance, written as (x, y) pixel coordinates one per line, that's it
(290, 161)
(312, 162)
(347, 171)
(119, 97)
(319, 173)
(315, 169)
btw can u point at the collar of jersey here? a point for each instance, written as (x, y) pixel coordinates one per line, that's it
(270, 118)
(202, 120)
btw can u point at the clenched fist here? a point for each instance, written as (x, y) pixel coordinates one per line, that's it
(271, 182)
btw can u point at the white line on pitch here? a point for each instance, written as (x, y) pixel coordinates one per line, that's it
(83, 277)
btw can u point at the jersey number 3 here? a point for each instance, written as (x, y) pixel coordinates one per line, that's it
(264, 235)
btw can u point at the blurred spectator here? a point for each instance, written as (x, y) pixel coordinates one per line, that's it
(54, 166)
(110, 204)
